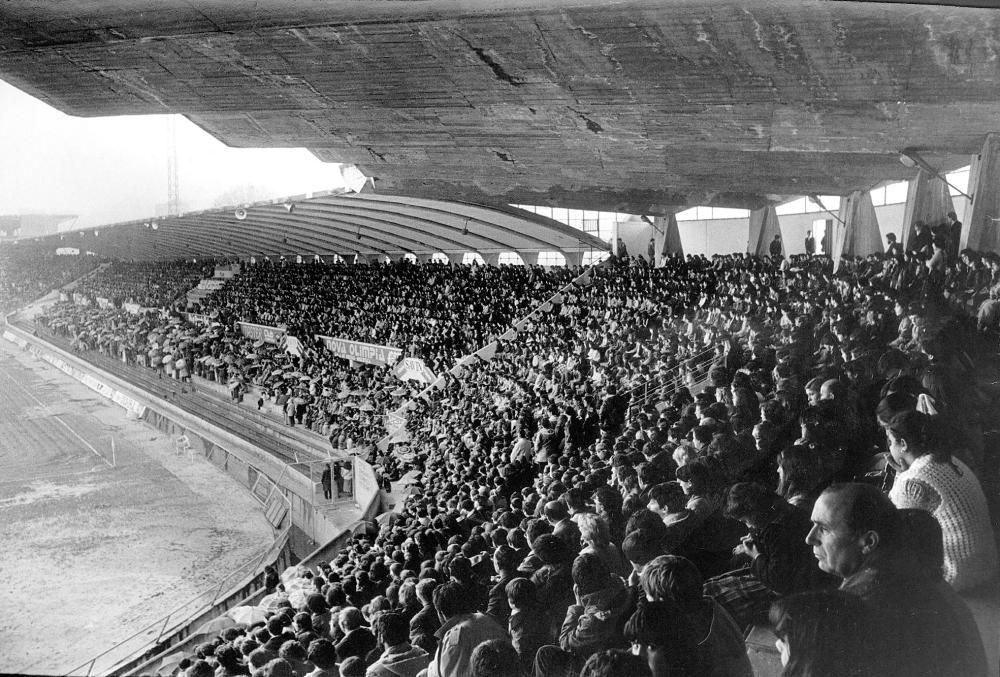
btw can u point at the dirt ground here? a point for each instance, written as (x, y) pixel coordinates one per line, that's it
(93, 552)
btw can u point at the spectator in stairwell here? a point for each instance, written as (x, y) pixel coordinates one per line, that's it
(810, 243)
(325, 481)
(954, 235)
(651, 251)
(338, 478)
(893, 248)
(775, 248)
(921, 241)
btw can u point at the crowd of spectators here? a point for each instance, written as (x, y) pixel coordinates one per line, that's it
(434, 311)
(150, 284)
(575, 500)
(27, 274)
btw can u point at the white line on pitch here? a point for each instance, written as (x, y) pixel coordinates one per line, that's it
(66, 425)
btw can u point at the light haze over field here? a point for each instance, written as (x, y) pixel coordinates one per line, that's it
(112, 169)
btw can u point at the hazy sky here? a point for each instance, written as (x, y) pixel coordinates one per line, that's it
(115, 168)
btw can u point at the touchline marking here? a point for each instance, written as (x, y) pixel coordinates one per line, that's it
(56, 417)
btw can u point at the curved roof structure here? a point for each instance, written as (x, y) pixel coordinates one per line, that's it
(637, 106)
(336, 223)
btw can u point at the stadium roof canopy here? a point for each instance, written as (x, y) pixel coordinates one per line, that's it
(639, 106)
(335, 223)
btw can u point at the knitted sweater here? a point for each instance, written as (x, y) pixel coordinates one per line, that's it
(951, 492)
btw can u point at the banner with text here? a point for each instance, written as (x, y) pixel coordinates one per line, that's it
(196, 318)
(414, 369)
(369, 353)
(262, 332)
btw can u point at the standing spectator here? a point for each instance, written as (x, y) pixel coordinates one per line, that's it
(776, 248)
(399, 658)
(325, 480)
(810, 243)
(461, 631)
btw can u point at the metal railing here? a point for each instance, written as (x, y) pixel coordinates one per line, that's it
(145, 641)
(655, 387)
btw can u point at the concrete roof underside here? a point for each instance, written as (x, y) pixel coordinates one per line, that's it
(640, 106)
(343, 224)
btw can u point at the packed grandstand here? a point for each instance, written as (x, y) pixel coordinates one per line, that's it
(621, 470)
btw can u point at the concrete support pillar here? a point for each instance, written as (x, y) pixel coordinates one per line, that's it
(492, 259)
(763, 227)
(982, 217)
(668, 237)
(530, 258)
(573, 258)
(927, 200)
(859, 234)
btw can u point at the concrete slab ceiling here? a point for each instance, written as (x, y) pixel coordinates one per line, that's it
(639, 106)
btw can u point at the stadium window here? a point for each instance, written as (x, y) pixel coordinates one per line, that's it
(412, 258)
(551, 259)
(439, 257)
(298, 258)
(593, 257)
(561, 215)
(878, 196)
(470, 258)
(690, 214)
(336, 258)
(796, 206)
(510, 259)
(896, 192)
(727, 213)
(959, 181)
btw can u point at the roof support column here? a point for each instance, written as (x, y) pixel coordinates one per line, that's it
(981, 218)
(927, 200)
(763, 227)
(668, 238)
(573, 258)
(491, 259)
(859, 234)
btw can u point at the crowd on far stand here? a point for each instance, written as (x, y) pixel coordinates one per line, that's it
(665, 458)
(27, 273)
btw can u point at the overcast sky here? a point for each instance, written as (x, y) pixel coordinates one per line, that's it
(114, 169)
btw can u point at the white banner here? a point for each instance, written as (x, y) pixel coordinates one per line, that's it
(369, 353)
(414, 369)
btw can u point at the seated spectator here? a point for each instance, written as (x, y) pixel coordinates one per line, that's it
(929, 478)
(399, 658)
(922, 626)
(824, 634)
(704, 536)
(593, 624)
(554, 581)
(777, 560)
(426, 621)
(527, 625)
(596, 539)
(615, 663)
(462, 630)
(504, 560)
(496, 658)
(659, 633)
(719, 640)
(557, 514)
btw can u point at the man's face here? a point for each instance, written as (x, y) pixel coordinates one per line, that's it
(836, 548)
